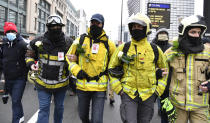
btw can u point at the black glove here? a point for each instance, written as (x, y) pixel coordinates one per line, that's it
(159, 74)
(168, 109)
(82, 75)
(5, 98)
(116, 72)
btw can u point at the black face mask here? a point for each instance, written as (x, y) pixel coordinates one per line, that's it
(188, 44)
(138, 34)
(195, 40)
(54, 34)
(55, 31)
(95, 31)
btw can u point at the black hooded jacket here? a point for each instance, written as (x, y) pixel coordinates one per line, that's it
(13, 58)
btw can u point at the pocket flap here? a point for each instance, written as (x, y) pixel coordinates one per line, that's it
(180, 70)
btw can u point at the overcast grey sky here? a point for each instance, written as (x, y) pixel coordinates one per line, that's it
(111, 10)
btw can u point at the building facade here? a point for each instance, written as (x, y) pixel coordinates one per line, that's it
(82, 21)
(179, 9)
(125, 34)
(30, 15)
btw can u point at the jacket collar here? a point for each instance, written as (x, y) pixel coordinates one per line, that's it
(141, 42)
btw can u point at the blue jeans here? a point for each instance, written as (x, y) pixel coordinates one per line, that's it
(16, 88)
(84, 98)
(44, 105)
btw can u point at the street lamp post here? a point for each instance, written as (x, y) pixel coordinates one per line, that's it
(121, 21)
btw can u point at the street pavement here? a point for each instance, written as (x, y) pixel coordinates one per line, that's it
(30, 105)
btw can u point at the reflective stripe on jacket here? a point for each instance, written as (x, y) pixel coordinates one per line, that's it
(139, 75)
(92, 63)
(185, 81)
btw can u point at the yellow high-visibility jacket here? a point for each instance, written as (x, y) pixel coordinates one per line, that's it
(186, 78)
(139, 75)
(92, 63)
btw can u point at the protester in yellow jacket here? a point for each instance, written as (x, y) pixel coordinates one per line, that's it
(189, 60)
(137, 86)
(93, 52)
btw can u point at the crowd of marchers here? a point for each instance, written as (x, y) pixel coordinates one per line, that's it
(139, 71)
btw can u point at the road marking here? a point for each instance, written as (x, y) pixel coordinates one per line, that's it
(34, 118)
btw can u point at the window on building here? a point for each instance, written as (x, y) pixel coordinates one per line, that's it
(48, 7)
(5, 0)
(42, 15)
(71, 29)
(2, 14)
(61, 15)
(36, 7)
(76, 31)
(39, 27)
(22, 4)
(68, 26)
(43, 27)
(40, 11)
(13, 2)
(43, 3)
(35, 21)
(20, 20)
(12, 16)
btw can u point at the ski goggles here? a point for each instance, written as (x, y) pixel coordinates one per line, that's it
(54, 20)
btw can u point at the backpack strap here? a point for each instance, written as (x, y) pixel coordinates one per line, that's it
(126, 47)
(106, 44)
(82, 38)
(156, 53)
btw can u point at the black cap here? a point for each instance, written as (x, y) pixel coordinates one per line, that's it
(98, 17)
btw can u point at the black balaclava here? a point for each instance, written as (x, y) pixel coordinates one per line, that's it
(95, 31)
(138, 34)
(55, 35)
(188, 44)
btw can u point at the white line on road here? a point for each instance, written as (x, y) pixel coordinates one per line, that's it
(34, 118)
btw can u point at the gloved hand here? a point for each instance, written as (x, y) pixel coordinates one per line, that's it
(82, 75)
(116, 72)
(168, 109)
(159, 74)
(5, 98)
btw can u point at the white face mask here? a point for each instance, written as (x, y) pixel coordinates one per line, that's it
(162, 37)
(11, 36)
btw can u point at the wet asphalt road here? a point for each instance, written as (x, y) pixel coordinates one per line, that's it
(30, 105)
